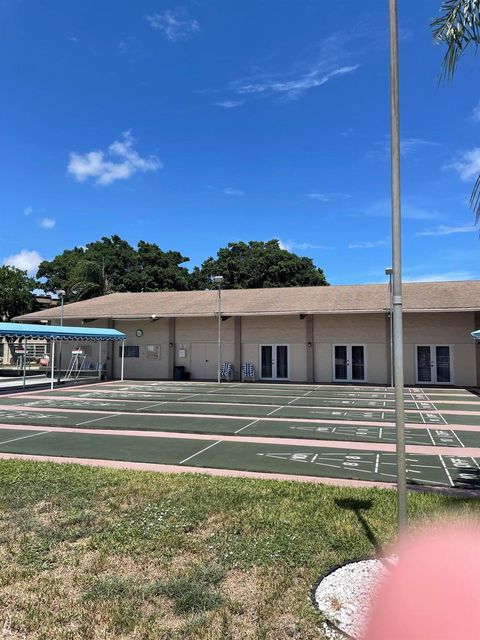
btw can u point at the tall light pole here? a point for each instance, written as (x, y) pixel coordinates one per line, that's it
(218, 280)
(389, 272)
(61, 294)
(397, 301)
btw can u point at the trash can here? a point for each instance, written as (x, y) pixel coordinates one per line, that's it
(179, 373)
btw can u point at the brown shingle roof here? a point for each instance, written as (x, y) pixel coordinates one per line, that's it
(419, 296)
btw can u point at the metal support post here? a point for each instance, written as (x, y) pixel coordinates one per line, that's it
(397, 270)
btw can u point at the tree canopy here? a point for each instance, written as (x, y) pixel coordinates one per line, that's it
(16, 295)
(250, 265)
(112, 264)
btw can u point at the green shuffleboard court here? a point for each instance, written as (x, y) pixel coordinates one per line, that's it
(450, 471)
(92, 422)
(242, 409)
(275, 400)
(238, 426)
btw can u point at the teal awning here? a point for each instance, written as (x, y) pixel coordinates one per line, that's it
(53, 332)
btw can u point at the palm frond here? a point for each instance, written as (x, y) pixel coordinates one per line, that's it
(458, 26)
(475, 200)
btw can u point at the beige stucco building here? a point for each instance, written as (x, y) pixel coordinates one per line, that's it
(313, 334)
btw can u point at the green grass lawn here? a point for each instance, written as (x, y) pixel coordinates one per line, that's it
(98, 554)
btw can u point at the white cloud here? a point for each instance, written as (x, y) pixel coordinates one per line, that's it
(47, 223)
(340, 54)
(229, 191)
(438, 277)
(410, 211)
(229, 104)
(288, 245)
(25, 260)
(295, 87)
(444, 230)
(368, 245)
(476, 113)
(176, 25)
(408, 146)
(28, 210)
(328, 197)
(119, 162)
(468, 164)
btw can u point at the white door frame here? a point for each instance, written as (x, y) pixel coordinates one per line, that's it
(433, 363)
(274, 360)
(349, 361)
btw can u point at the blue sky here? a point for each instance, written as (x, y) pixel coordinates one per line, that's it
(195, 124)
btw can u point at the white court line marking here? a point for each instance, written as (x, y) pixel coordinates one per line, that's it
(149, 406)
(380, 433)
(431, 437)
(421, 466)
(377, 462)
(441, 416)
(277, 409)
(447, 471)
(311, 391)
(455, 434)
(475, 463)
(110, 415)
(199, 452)
(247, 425)
(32, 435)
(192, 395)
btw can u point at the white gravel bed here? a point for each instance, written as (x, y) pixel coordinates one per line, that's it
(345, 595)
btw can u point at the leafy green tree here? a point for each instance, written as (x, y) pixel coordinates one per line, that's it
(16, 295)
(88, 279)
(57, 272)
(258, 265)
(161, 270)
(117, 264)
(112, 264)
(458, 27)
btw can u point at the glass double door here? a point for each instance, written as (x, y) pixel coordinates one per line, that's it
(434, 364)
(349, 363)
(274, 362)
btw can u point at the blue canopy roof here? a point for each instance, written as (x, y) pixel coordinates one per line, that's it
(53, 332)
(476, 334)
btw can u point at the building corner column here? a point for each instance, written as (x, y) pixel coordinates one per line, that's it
(476, 346)
(110, 355)
(388, 348)
(171, 348)
(237, 338)
(310, 345)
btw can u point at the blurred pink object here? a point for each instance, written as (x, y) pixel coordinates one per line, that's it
(434, 591)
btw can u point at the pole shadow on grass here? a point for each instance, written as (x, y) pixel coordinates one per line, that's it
(358, 507)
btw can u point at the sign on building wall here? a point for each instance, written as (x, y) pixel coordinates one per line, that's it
(153, 352)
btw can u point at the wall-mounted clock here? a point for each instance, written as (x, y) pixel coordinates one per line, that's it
(139, 333)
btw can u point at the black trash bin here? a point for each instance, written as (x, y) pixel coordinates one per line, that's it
(179, 373)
